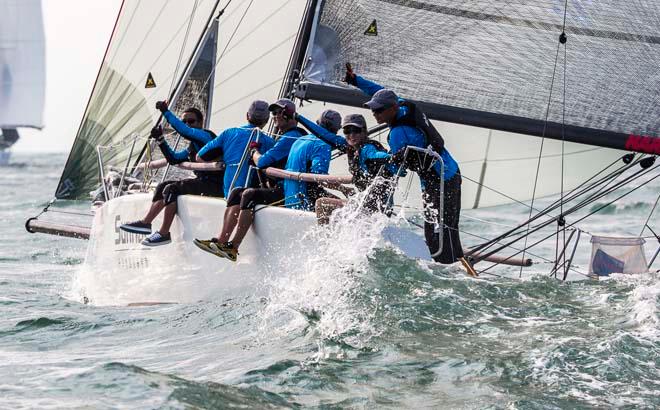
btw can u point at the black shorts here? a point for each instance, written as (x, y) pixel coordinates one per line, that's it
(170, 190)
(452, 249)
(248, 198)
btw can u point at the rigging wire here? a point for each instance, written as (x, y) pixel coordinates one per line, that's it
(573, 194)
(183, 47)
(575, 208)
(545, 125)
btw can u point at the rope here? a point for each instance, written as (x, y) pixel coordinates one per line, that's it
(183, 47)
(649, 218)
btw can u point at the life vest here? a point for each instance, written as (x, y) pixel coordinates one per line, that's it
(362, 178)
(417, 119)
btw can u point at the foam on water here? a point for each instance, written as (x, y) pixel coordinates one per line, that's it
(326, 286)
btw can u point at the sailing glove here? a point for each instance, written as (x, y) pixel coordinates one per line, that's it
(162, 106)
(157, 134)
(350, 75)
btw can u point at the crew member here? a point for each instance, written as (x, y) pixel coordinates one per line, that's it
(205, 182)
(409, 127)
(366, 159)
(241, 202)
(310, 155)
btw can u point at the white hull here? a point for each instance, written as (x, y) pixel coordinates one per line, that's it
(119, 270)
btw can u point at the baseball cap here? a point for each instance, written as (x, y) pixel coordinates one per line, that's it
(330, 120)
(356, 120)
(258, 111)
(284, 103)
(382, 99)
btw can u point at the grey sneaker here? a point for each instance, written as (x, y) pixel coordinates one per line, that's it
(138, 227)
(156, 239)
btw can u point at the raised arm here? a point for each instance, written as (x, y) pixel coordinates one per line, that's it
(197, 135)
(335, 141)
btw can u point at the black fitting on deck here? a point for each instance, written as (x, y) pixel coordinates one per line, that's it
(563, 38)
(627, 159)
(647, 162)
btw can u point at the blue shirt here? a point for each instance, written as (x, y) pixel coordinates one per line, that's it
(280, 151)
(367, 153)
(403, 135)
(198, 138)
(231, 144)
(308, 154)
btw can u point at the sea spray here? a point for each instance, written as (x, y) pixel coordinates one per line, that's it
(327, 286)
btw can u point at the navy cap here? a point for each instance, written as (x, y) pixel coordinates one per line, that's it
(330, 120)
(258, 111)
(382, 99)
(356, 120)
(287, 105)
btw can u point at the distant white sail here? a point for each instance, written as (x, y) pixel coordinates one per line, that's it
(22, 64)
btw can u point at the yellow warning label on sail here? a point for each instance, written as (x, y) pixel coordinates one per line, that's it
(150, 82)
(372, 30)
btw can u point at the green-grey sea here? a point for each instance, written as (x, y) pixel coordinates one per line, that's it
(383, 331)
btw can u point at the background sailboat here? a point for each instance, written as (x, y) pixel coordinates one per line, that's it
(22, 70)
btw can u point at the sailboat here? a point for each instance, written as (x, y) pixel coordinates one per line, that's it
(531, 99)
(22, 70)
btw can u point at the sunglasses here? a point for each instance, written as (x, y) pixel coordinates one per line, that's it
(189, 121)
(277, 112)
(379, 110)
(352, 129)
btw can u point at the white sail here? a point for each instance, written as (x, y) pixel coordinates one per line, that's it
(148, 51)
(254, 46)
(22, 64)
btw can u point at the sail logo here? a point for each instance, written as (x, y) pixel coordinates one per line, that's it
(372, 30)
(124, 237)
(643, 143)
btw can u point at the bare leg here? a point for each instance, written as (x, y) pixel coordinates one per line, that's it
(324, 208)
(229, 223)
(168, 217)
(155, 209)
(245, 219)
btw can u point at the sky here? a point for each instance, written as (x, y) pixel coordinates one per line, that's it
(77, 33)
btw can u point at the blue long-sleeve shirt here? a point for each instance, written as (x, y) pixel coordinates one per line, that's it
(230, 144)
(197, 138)
(278, 153)
(403, 135)
(366, 154)
(308, 154)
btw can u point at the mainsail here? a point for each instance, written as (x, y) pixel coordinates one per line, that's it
(499, 66)
(22, 66)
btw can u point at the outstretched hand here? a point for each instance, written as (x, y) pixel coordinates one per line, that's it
(162, 106)
(350, 75)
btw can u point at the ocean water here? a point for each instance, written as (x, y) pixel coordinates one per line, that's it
(358, 327)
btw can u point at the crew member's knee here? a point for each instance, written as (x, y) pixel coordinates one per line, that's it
(170, 193)
(248, 199)
(158, 194)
